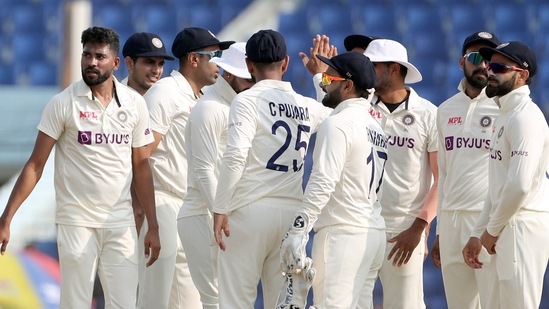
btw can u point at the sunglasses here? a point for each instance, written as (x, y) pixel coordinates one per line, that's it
(328, 79)
(474, 57)
(213, 54)
(500, 68)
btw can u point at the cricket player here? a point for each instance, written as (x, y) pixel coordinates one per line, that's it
(100, 129)
(513, 224)
(206, 132)
(170, 100)
(340, 200)
(144, 55)
(409, 190)
(259, 187)
(464, 124)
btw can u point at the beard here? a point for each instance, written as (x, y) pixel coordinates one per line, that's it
(236, 86)
(332, 99)
(97, 80)
(501, 89)
(477, 81)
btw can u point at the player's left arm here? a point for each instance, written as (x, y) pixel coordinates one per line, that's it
(526, 149)
(143, 185)
(142, 181)
(407, 241)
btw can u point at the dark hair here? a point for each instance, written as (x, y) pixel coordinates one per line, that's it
(363, 93)
(403, 71)
(268, 66)
(101, 35)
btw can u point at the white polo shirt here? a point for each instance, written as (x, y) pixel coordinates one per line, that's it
(411, 132)
(464, 129)
(207, 133)
(519, 158)
(269, 130)
(349, 156)
(93, 156)
(170, 101)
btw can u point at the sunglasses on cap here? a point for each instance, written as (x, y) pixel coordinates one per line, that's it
(474, 57)
(213, 54)
(500, 68)
(328, 79)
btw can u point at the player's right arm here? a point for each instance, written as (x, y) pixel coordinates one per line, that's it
(241, 131)
(321, 46)
(435, 249)
(31, 173)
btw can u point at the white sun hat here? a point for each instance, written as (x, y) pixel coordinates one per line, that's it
(383, 50)
(233, 60)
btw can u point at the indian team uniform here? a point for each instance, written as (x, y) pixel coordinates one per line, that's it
(464, 129)
(170, 101)
(349, 245)
(93, 172)
(207, 133)
(411, 132)
(260, 186)
(516, 210)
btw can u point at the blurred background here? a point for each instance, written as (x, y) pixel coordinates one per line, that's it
(40, 55)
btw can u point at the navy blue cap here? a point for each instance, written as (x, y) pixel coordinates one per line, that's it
(145, 44)
(357, 40)
(193, 39)
(266, 46)
(486, 37)
(353, 66)
(516, 51)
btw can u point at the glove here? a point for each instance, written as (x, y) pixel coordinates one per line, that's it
(296, 287)
(292, 250)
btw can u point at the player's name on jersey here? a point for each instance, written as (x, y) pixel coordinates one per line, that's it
(377, 139)
(289, 111)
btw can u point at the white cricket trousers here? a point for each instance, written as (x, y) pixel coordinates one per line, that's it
(253, 253)
(347, 260)
(403, 286)
(465, 287)
(522, 254)
(111, 252)
(167, 283)
(196, 234)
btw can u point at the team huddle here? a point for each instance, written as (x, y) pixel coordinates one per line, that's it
(187, 191)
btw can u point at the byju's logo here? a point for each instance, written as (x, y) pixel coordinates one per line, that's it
(449, 143)
(85, 137)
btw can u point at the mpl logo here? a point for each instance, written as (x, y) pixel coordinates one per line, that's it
(449, 143)
(454, 121)
(85, 137)
(87, 115)
(375, 114)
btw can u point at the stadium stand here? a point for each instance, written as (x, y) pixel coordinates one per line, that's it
(432, 30)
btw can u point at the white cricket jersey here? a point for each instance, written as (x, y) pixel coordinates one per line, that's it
(93, 156)
(170, 101)
(349, 157)
(519, 157)
(411, 132)
(207, 133)
(125, 81)
(464, 129)
(269, 130)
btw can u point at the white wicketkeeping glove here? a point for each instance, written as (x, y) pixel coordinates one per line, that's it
(292, 250)
(296, 287)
